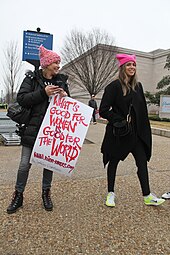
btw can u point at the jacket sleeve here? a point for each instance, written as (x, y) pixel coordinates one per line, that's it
(67, 89)
(107, 103)
(143, 96)
(28, 96)
(95, 105)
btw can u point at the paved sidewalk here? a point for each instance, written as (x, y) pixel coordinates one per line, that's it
(80, 222)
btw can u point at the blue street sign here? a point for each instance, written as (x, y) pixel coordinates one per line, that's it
(31, 42)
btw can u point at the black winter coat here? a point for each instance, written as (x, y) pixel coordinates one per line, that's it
(92, 103)
(114, 107)
(32, 95)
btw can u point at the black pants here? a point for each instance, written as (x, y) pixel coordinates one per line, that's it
(141, 162)
(94, 115)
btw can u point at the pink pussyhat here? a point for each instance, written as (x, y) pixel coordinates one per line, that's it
(47, 57)
(124, 58)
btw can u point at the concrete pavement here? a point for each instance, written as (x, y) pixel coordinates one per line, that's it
(80, 222)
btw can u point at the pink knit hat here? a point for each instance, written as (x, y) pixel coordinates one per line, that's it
(124, 58)
(47, 57)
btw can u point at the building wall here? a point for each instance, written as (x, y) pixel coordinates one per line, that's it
(159, 71)
(145, 72)
(150, 70)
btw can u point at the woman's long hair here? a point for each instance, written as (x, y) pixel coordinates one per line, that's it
(127, 84)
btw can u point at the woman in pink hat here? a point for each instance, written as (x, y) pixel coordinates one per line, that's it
(128, 130)
(35, 91)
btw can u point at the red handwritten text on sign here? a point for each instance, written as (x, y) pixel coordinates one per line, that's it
(60, 118)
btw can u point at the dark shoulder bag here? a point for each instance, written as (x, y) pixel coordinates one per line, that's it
(124, 127)
(18, 113)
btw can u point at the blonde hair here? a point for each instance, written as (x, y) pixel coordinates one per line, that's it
(127, 84)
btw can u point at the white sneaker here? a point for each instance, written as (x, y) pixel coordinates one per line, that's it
(110, 200)
(166, 195)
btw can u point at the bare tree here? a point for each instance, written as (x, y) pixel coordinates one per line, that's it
(12, 68)
(89, 60)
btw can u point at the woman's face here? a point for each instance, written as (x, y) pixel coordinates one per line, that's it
(53, 68)
(130, 68)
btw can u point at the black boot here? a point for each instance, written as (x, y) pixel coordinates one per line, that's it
(48, 205)
(16, 202)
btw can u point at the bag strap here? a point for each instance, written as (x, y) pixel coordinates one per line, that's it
(128, 117)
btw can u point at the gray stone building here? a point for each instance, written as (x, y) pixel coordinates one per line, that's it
(150, 70)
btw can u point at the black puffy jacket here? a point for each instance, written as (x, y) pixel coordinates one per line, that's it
(32, 94)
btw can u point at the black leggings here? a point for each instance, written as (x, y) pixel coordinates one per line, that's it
(141, 162)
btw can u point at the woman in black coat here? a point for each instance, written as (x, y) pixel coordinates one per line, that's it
(34, 93)
(122, 97)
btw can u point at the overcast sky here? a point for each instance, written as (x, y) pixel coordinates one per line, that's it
(135, 24)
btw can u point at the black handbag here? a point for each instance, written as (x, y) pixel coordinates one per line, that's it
(18, 113)
(124, 127)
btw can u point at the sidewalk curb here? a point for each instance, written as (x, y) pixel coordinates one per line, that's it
(161, 132)
(155, 131)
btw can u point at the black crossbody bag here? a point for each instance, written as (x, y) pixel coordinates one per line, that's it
(124, 127)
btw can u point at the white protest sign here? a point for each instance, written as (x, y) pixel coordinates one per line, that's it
(61, 135)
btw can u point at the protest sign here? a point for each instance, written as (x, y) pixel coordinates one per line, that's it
(61, 135)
